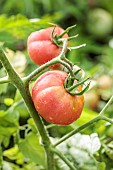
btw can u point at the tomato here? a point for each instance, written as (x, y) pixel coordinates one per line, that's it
(40, 46)
(53, 102)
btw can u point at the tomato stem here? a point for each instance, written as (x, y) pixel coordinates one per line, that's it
(60, 59)
(69, 38)
(68, 81)
(76, 85)
(107, 119)
(85, 125)
(68, 61)
(25, 93)
(52, 34)
(76, 47)
(76, 72)
(106, 106)
(81, 92)
(66, 31)
(57, 152)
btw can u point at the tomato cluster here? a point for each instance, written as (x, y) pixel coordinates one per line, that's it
(51, 100)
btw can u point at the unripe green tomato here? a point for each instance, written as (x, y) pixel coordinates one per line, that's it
(53, 102)
(100, 22)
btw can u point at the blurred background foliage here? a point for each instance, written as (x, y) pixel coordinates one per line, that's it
(19, 142)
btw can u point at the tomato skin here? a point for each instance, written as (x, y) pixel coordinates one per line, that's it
(53, 102)
(40, 46)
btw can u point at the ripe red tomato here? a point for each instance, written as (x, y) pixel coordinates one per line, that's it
(40, 46)
(53, 102)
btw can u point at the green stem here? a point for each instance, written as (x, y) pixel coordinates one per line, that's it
(49, 63)
(57, 152)
(66, 31)
(99, 117)
(50, 126)
(68, 67)
(15, 105)
(65, 42)
(76, 47)
(106, 106)
(107, 119)
(24, 91)
(39, 70)
(68, 61)
(50, 162)
(4, 80)
(44, 66)
(69, 89)
(78, 130)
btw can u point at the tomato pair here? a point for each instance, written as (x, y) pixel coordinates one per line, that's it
(50, 98)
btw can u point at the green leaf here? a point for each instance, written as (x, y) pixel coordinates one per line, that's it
(3, 88)
(32, 149)
(14, 154)
(8, 101)
(18, 27)
(86, 115)
(6, 141)
(8, 125)
(101, 166)
(6, 37)
(22, 110)
(32, 125)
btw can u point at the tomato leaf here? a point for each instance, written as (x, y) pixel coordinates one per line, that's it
(101, 166)
(8, 120)
(32, 149)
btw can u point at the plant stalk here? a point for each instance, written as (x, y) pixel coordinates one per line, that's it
(97, 118)
(106, 106)
(24, 91)
(57, 152)
(92, 121)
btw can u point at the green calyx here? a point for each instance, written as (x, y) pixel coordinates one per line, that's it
(72, 88)
(69, 84)
(58, 39)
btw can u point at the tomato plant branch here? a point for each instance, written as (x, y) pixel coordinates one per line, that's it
(24, 91)
(106, 106)
(62, 54)
(107, 119)
(69, 89)
(68, 61)
(49, 63)
(4, 80)
(57, 152)
(66, 31)
(97, 118)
